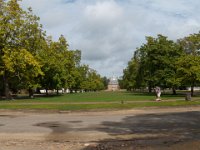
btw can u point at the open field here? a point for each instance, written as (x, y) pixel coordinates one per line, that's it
(61, 122)
(97, 100)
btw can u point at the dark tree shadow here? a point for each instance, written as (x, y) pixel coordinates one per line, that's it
(170, 128)
(26, 97)
(156, 131)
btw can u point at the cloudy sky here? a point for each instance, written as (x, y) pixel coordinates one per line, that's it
(108, 31)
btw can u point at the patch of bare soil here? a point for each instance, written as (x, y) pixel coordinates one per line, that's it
(146, 144)
(36, 145)
(157, 130)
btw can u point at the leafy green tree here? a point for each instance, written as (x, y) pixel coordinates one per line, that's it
(73, 69)
(96, 83)
(105, 81)
(12, 23)
(53, 58)
(92, 81)
(154, 64)
(131, 73)
(189, 63)
(21, 64)
(189, 70)
(29, 59)
(84, 84)
(9, 23)
(32, 37)
(60, 65)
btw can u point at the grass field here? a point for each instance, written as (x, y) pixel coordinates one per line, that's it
(97, 100)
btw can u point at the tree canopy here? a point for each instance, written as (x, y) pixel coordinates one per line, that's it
(29, 59)
(165, 63)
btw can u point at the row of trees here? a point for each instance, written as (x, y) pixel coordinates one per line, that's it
(165, 63)
(29, 59)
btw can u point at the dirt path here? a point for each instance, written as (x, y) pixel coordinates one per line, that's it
(148, 128)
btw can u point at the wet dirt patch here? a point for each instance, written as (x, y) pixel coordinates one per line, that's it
(169, 129)
(185, 123)
(58, 133)
(77, 121)
(56, 127)
(8, 116)
(135, 144)
(177, 128)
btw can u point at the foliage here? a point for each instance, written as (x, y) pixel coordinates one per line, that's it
(17, 59)
(165, 63)
(189, 63)
(29, 59)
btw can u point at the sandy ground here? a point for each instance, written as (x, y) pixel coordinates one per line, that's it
(140, 129)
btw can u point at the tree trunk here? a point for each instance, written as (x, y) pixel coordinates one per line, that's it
(47, 92)
(57, 91)
(38, 91)
(149, 88)
(192, 90)
(31, 93)
(6, 87)
(174, 90)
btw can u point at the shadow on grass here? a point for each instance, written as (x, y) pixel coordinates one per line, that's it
(153, 130)
(164, 94)
(153, 94)
(26, 97)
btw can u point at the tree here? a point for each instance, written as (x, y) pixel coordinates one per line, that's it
(105, 82)
(153, 64)
(53, 57)
(130, 74)
(189, 69)
(84, 84)
(189, 63)
(91, 80)
(21, 64)
(29, 59)
(73, 68)
(94, 80)
(11, 47)
(60, 65)
(32, 37)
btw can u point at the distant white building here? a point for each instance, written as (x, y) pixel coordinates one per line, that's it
(113, 84)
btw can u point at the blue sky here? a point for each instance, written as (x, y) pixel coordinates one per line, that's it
(108, 31)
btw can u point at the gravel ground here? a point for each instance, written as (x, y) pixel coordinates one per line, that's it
(137, 129)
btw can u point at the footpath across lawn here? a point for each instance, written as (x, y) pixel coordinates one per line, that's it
(97, 100)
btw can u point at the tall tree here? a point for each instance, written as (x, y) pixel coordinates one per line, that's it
(53, 59)
(157, 59)
(189, 63)
(153, 64)
(11, 49)
(131, 74)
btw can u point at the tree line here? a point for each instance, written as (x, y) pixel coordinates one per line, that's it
(29, 59)
(165, 63)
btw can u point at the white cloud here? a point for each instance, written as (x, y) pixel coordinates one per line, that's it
(108, 31)
(103, 12)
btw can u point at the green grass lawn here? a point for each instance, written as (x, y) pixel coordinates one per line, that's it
(97, 97)
(97, 100)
